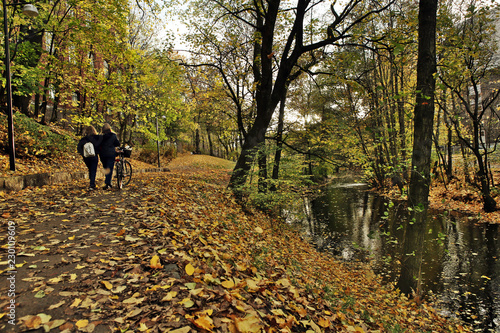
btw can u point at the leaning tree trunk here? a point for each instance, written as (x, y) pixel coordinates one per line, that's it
(254, 139)
(410, 280)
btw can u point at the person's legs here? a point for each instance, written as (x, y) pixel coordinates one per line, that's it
(108, 163)
(89, 167)
(92, 165)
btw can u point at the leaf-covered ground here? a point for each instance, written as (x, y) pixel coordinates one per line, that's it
(173, 252)
(458, 199)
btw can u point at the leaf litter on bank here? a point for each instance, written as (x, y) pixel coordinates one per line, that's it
(173, 252)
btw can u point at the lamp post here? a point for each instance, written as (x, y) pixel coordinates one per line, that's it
(30, 11)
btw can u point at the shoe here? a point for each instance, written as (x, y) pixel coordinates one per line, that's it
(107, 187)
(91, 188)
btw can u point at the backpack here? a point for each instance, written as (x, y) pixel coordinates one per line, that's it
(88, 150)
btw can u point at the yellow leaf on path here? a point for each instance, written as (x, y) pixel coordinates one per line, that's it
(252, 285)
(228, 284)
(76, 302)
(249, 324)
(169, 296)
(189, 269)
(284, 282)
(107, 284)
(323, 322)
(72, 237)
(241, 267)
(55, 306)
(301, 311)
(204, 322)
(278, 312)
(206, 312)
(82, 323)
(155, 262)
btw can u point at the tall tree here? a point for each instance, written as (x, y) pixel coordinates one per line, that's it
(418, 196)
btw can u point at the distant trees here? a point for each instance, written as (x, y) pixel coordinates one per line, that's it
(280, 36)
(469, 74)
(96, 62)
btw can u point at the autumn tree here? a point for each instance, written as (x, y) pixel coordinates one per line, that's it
(224, 58)
(469, 70)
(279, 41)
(25, 52)
(418, 196)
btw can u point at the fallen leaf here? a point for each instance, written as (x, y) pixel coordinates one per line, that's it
(55, 306)
(53, 324)
(323, 322)
(204, 322)
(228, 284)
(189, 269)
(82, 323)
(249, 324)
(155, 262)
(107, 284)
(33, 322)
(169, 296)
(75, 303)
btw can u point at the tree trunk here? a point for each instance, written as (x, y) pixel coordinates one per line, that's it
(421, 158)
(197, 141)
(255, 137)
(279, 143)
(210, 144)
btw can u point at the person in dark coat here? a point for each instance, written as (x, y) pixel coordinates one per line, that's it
(90, 135)
(107, 153)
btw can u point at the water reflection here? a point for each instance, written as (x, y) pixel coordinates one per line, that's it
(460, 261)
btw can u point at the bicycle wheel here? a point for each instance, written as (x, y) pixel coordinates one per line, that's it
(126, 172)
(119, 174)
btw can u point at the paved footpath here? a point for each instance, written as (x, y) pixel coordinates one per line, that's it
(75, 254)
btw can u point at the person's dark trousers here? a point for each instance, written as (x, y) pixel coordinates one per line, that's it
(108, 162)
(92, 163)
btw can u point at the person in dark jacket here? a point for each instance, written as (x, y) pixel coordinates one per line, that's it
(90, 135)
(107, 153)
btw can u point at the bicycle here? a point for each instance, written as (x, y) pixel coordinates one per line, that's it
(123, 167)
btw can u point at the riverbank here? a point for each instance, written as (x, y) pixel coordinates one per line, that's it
(174, 252)
(455, 198)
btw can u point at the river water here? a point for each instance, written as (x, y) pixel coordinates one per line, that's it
(461, 266)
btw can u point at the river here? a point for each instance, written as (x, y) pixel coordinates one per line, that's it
(461, 266)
